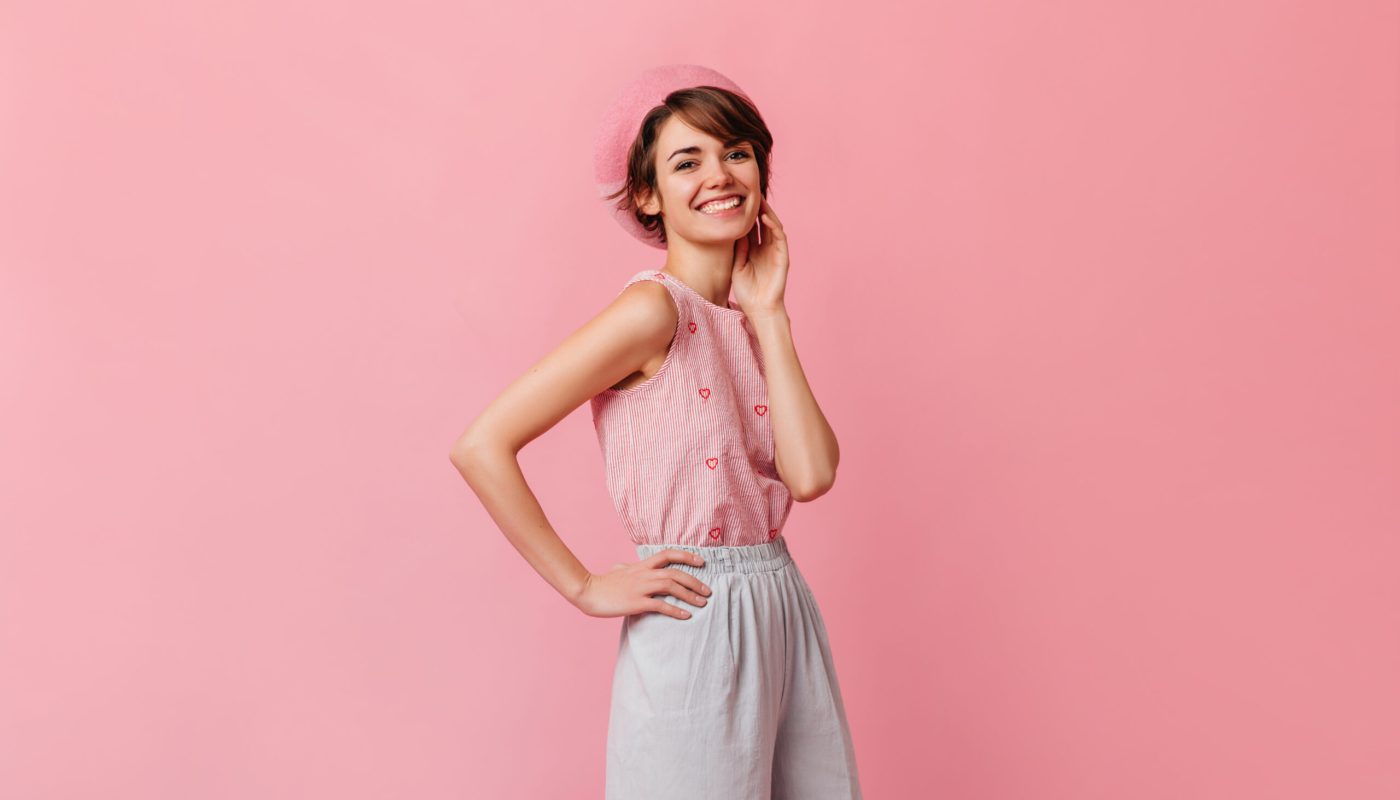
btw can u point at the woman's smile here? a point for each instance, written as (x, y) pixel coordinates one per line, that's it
(734, 206)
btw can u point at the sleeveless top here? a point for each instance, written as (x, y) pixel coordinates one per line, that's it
(689, 451)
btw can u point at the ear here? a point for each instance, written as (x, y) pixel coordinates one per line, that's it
(646, 202)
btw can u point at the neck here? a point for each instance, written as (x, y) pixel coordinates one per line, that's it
(706, 268)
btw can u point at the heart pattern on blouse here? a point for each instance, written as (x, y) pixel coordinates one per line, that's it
(713, 463)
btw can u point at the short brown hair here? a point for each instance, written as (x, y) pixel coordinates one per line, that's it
(723, 114)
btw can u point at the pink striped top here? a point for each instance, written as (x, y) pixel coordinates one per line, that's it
(689, 451)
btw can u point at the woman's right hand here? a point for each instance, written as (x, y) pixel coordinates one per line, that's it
(628, 588)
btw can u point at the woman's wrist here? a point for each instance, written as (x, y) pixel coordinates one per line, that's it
(574, 589)
(776, 313)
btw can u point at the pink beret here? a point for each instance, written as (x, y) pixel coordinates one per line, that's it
(623, 121)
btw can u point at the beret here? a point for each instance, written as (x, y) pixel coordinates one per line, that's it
(622, 121)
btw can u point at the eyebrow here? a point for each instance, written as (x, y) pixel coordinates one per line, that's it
(696, 148)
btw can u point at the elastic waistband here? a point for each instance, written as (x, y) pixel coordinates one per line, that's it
(763, 557)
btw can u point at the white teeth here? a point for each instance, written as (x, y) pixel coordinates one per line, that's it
(721, 205)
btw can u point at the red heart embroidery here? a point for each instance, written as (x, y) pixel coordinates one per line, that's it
(712, 462)
(692, 327)
(705, 393)
(660, 274)
(714, 533)
(761, 410)
(772, 532)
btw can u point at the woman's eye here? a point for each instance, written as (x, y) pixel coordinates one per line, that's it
(681, 165)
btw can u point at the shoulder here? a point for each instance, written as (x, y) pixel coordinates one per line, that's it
(651, 289)
(647, 305)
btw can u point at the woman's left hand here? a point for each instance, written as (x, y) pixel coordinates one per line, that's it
(760, 270)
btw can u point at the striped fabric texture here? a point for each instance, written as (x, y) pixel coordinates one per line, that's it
(689, 451)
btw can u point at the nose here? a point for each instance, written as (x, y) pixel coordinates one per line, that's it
(720, 177)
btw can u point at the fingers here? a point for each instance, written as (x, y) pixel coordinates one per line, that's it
(683, 585)
(691, 582)
(684, 592)
(663, 607)
(687, 587)
(678, 583)
(669, 555)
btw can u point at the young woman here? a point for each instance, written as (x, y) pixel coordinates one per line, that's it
(709, 432)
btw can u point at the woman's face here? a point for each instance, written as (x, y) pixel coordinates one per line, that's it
(692, 169)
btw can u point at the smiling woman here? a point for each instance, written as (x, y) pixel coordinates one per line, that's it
(725, 684)
(726, 118)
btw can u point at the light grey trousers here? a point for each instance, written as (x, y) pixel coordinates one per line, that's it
(738, 702)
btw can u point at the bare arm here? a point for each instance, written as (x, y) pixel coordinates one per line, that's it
(608, 348)
(805, 448)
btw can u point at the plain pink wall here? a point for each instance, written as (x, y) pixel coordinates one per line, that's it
(1101, 301)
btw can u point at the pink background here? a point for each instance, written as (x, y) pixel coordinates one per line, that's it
(1101, 301)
